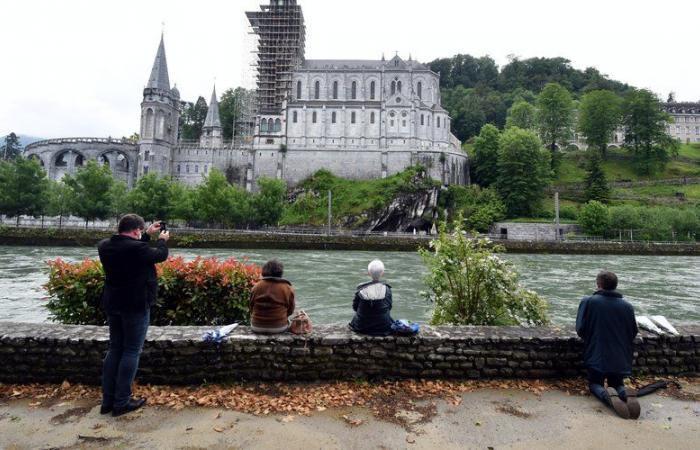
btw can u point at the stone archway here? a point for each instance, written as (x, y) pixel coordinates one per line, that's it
(66, 162)
(119, 164)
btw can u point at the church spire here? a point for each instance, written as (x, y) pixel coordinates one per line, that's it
(213, 119)
(159, 74)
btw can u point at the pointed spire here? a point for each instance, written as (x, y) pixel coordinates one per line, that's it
(159, 74)
(213, 120)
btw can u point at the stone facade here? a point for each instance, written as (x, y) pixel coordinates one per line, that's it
(176, 355)
(686, 121)
(520, 231)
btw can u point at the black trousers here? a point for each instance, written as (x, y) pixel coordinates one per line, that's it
(615, 380)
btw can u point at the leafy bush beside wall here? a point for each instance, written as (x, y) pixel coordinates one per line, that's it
(204, 291)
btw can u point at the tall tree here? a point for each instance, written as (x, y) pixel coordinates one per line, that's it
(645, 123)
(91, 195)
(486, 147)
(23, 188)
(152, 197)
(231, 108)
(118, 193)
(555, 109)
(596, 183)
(268, 203)
(523, 171)
(192, 119)
(58, 203)
(11, 148)
(600, 113)
(522, 115)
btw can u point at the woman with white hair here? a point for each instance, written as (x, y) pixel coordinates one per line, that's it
(372, 304)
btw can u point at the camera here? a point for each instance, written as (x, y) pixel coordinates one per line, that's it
(163, 227)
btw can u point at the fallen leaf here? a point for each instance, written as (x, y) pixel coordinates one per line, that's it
(218, 429)
(410, 440)
(478, 424)
(35, 404)
(287, 419)
(320, 408)
(188, 429)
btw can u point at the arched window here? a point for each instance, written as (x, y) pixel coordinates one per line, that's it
(263, 125)
(317, 90)
(420, 90)
(298, 90)
(335, 90)
(178, 168)
(150, 121)
(393, 87)
(278, 125)
(398, 87)
(438, 122)
(352, 117)
(295, 117)
(422, 119)
(196, 168)
(353, 90)
(314, 116)
(333, 117)
(372, 87)
(371, 117)
(187, 168)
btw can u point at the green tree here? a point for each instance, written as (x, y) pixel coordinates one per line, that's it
(91, 192)
(599, 116)
(555, 109)
(624, 218)
(486, 147)
(183, 203)
(480, 207)
(119, 202)
(646, 138)
(23, 188)
(231, 109)
(59, 200)
(523, 171)
(217, 202)
(470, 285)
(192, 119)
(596, 183)
(594, 218)
(522, 115)
(12, 148)
(268, 204)
(152, 197)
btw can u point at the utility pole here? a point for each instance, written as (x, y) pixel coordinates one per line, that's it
(330, 200)
(556, 215)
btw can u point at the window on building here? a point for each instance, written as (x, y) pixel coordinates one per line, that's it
(398, 87)
(196, 168)
(187, 168)
(335, 90)
(333, 117)
(391, 122)
(393, 87)
(317, 90)
(353, 90)
(295, 117)
(438, 122)
(371, 117)
(352, 117)
(178, 168)
(422, 119)
(263, 125)
(206, 169)
(372, 87)
(403, 123)
(314, 117)
(298, 90)
(278, 125)
(420, 90)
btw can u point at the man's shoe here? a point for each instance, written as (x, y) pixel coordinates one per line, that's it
(618, 405)
(633, 405)
(104, 409)
(132, 405)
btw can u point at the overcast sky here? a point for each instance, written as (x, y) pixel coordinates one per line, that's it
(78, 67)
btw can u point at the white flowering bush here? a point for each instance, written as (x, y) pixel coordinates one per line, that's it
(470, 285)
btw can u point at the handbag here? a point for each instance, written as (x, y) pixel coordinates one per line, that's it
(301, 323)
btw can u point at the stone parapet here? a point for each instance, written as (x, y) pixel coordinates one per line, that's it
(177, 355)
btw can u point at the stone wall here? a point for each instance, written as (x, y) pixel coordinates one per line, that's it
(176, 355)
(525, 231)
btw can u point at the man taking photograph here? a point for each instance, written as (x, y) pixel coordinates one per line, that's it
(130, 290)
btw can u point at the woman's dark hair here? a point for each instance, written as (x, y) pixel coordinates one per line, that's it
(130, 222)
(273, 268)
(607, 280)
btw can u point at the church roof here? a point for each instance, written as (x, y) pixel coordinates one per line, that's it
(213, 119)
(159, 74)
(359, 64)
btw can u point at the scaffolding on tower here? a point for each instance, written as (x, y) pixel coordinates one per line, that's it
(281, 33)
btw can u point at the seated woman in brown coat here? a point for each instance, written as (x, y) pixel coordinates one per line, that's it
(271, 301)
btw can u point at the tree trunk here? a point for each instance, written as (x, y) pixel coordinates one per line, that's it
(17, 223)
(60, 220)
(86, 224)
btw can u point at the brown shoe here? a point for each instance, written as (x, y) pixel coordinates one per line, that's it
(617, 404)
(633, 404)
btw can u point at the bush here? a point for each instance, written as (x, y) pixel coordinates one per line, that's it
(594, 218)
(200, 292)
(470, 285)
(568, 212)
(480, 207)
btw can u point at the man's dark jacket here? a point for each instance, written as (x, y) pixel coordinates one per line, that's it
(608, 327)
(372, 305)
(131, 284)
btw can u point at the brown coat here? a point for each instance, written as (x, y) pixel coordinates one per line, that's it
(271, 303)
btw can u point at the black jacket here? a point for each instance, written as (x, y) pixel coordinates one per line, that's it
(372, 305)
(608, 327)
(131, 284)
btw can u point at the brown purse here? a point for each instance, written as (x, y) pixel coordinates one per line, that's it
(301, 323)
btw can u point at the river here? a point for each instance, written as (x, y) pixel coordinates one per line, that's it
(325, 280)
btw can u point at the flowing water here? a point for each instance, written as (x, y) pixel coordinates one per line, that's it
(325, 280)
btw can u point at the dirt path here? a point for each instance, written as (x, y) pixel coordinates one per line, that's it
(488, 418)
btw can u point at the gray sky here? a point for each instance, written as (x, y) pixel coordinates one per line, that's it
(78, 67)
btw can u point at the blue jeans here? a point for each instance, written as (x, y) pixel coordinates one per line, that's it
(127, 332)
(596, 381)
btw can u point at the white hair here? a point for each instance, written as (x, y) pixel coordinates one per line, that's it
(375, 269)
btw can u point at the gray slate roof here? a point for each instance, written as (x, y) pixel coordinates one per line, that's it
(359, 64)
(159, 74)
(213, 119)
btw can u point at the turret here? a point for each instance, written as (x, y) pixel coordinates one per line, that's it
(160, 114)
(212, 133)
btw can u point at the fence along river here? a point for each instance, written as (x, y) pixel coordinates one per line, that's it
(325, 280)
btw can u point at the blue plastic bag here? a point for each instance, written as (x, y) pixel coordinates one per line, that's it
(404, 328)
